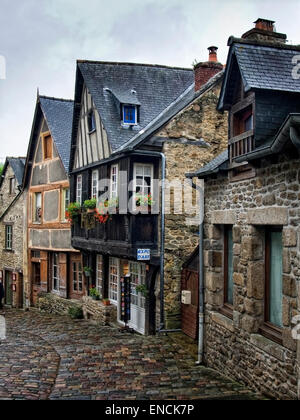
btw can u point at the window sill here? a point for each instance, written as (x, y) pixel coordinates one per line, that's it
(268, 346)
(222, 320)
(271, 332)
(11, 251)
(227, 310)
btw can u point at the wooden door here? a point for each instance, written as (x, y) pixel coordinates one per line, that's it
(8, 288)
(189, 313)
(35, 281)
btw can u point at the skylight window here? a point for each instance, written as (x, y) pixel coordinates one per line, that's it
(129, 114)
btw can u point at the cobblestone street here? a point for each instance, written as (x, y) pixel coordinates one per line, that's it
(51, 357)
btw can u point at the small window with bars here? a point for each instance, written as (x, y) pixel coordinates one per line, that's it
(8, 237)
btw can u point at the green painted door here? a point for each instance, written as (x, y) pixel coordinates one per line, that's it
(8, 288)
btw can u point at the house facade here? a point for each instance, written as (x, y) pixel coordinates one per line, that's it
(53, 265)
(135, 127)
(12, 231)
(251, 225)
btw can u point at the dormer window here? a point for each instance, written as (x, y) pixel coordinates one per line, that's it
(129, 114)
(91, 121)
(243, 121)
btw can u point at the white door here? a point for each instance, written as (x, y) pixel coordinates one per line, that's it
(137, 307)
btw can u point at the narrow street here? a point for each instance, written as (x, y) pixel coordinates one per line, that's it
(53, 357)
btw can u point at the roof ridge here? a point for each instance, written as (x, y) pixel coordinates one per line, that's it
(278, 45)
(56, 99)
(133, 64)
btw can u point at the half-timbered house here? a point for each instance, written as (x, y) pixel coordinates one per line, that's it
(53, 265)
(135, 126)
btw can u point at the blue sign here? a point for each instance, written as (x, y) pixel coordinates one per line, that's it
(143, 254)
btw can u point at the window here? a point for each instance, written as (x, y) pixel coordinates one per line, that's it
(12, 183)
(37, 208)
(114, 175)
(243, 121)
(228, 267)
(77, 276)
(129, 114)
(8, 237)
(47, 147)
(65, 201)
(113, 279)
(138, 277)
(55, 272)
(79, 189)
(94, 188)
(91, 121)
(273, 292)
(143, 175)
(99, 276)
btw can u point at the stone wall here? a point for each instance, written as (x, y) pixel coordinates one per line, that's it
(12, 261)
(198, 121)
(52, 304)
(236, 347)
(96, 311)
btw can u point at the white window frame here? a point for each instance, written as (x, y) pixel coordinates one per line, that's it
(114, 181)
(114, 263)
(99, 275)
(79, 189)
(65, 201)
(135, 167)
(8, 237)
(77, 276)
(35, 217)
(137, 271)
(94, 186)
(55, 255)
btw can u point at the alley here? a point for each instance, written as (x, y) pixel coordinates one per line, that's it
(51, 357)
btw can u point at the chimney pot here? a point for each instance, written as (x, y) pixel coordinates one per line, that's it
(206, 70)
(213, 54)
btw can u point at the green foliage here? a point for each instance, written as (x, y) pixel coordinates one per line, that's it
(73, 211)
(90, 204)
(1, 168)
(94, 293)
(76, 312)
(142, 288)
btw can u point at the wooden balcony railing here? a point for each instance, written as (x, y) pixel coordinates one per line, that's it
(241, 144)
(126, 228)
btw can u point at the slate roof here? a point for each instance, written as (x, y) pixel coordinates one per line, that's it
(212, 167)
(156, 88)
(59, 116)
(262, 66)
(18, 165)
(181, 102)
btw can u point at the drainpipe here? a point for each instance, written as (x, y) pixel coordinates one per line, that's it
(162, 235)
(201, 272)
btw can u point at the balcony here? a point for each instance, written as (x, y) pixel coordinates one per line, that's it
(241, 144)
(122, 234)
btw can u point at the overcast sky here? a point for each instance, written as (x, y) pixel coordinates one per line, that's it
(41, 40)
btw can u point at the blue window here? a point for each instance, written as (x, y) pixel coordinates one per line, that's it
(129, 114)
(91, 121)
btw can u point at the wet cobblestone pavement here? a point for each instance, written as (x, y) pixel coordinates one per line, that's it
(54, 357)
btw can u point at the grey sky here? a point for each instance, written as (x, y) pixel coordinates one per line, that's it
(41, 40)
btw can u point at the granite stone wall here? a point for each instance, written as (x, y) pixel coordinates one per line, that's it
(199, 121)
(236, 346)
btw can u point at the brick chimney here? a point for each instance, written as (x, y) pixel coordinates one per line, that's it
(206, 70)
(265, 31)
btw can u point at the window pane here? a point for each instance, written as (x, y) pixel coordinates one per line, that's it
(276, 279)
(230, 267)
